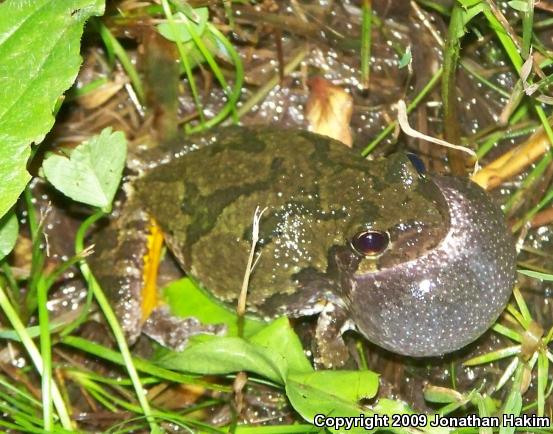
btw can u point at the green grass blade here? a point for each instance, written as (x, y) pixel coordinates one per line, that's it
(46, 353)
(506, 331)
(493, 356)
(366, 29)
(543, 369)
(233, 94)
(185, 62)
(33, 352)
(118, 334)
(113, 45)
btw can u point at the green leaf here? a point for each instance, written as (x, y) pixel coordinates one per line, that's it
(280, 338)
(347, 385)
(310, 400)
(187, 299)
(467, 15)
(212, 44)
(406, 59)
(92, 173)
(39, 60)
(519, 5)
(442, 395)
(469, 3)
(336, 394)
(220, 356)
(271, 353)
(537, 275)
(9, 228)
(178, 31)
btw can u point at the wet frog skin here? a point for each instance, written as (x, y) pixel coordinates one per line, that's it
(442, 278)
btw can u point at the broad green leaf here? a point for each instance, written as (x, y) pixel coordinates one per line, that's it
(39, 60)
(348, 385)
(519, 5)
(178, 31)
(220, 356)
(310, 396)
(187, 299)
(279, 338)
(93, 171)
(9, 228)
(265, 354)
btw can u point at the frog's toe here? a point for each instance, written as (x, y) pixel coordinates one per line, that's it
(174, 332)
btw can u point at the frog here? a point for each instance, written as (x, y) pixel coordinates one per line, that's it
(419, 264)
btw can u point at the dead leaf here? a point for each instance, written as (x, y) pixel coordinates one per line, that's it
(97, 97)
(328, 110)
(513, 161)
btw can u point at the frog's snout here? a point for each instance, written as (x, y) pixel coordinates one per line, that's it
(446, 298)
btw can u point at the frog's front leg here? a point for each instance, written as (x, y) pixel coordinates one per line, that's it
(330, 349)
(316, 296)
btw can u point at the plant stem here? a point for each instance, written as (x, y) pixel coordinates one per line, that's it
(366, 29)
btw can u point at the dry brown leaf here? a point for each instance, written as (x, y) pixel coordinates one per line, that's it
(99, 96)
(176, 396)
(328, 110)
(513, 161)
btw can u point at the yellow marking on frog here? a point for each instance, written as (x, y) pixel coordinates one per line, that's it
(149, 297)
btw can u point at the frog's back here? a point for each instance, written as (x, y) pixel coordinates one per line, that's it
(205, 200)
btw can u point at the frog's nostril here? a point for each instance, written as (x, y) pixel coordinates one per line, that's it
(417, 163)
(370, 243)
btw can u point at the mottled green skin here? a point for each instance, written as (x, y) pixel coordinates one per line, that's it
(445, 277)
(318, 194)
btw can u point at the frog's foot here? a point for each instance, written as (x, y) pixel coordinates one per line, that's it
(330, 349)
(174, 332)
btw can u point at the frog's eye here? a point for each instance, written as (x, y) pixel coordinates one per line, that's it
(417, 163)
(370, 243)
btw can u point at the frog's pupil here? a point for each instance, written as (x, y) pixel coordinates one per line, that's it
(369, 243)
(417, 163)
